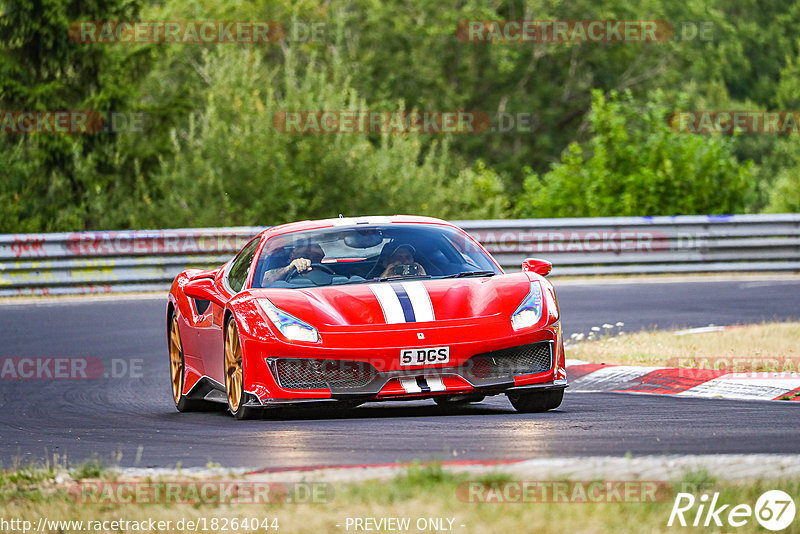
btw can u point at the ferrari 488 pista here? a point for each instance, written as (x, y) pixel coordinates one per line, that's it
(345, 311)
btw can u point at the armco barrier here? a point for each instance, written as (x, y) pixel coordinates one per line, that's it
(641, 245)
(103, 262)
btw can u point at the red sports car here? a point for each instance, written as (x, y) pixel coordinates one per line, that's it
(346, 311)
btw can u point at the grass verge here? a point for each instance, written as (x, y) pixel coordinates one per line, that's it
(756, 348)
(422, 494)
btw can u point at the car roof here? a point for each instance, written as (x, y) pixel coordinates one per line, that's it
(352, 221)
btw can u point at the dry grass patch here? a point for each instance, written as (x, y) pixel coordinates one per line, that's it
(768, 343)
(421, 493)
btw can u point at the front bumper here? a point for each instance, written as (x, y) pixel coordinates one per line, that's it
(347, 377)
(390, 381)
(358, 398)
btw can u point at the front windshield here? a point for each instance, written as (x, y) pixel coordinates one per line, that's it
(357, 254)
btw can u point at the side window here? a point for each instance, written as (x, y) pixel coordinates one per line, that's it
(237, 275)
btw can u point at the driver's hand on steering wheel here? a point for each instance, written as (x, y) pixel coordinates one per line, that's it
(301, 264)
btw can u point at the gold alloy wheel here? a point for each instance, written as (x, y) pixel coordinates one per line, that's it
(233, 366)
(175, 359)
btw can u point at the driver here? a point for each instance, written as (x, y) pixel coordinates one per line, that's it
(402, 255)
(301, 259)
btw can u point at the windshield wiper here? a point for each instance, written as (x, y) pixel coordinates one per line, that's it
(402, 277)
(471, 273)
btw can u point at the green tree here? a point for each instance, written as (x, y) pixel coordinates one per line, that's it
(42, 69)
(634, 164)
(231, 165)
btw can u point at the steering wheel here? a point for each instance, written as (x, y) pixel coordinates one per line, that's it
(314, 267)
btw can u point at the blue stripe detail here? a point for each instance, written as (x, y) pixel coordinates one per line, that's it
(423, 384)
(405, 302)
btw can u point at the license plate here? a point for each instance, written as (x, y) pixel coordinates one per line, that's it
(423, 356)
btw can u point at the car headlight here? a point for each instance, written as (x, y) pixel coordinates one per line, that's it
(530, 311)
(288, 325)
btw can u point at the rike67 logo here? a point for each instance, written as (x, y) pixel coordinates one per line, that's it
(774, 510)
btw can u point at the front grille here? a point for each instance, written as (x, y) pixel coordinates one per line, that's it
(308, 373)
(507, 363)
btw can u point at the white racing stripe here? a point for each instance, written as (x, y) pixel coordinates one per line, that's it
(410, 385)
(435, 384)
(420, 301)
(390, 304)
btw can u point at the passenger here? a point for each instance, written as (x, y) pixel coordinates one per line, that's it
(402, 255)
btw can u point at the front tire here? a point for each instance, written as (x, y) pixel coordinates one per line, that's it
(234, 374)
(536, 401)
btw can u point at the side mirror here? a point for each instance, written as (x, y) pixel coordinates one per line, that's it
(542, 267)
(203, 289)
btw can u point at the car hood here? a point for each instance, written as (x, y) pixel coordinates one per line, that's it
(402, 301)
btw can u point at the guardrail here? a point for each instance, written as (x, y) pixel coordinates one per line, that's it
(147, 260)
(105, 262)
(645, 245)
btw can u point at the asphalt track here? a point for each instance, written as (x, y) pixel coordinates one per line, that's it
(130, 420)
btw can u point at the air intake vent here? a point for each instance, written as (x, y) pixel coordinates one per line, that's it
(307, 373)
(508, 363)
